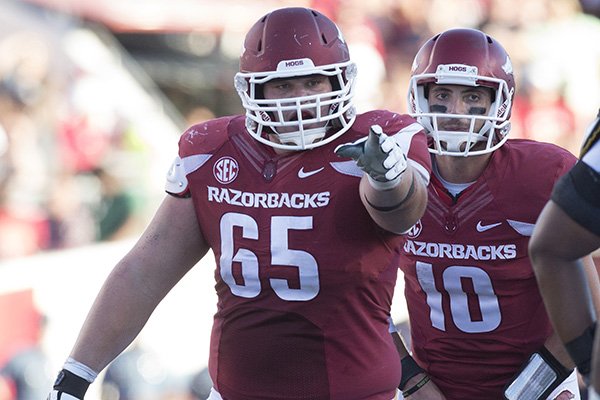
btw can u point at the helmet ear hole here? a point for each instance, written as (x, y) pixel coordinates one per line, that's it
(426, 88)
(335, 85)
(492, 92)
(259, 92)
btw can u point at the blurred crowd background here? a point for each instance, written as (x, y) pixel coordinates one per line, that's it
(93, 94)
(86, 89)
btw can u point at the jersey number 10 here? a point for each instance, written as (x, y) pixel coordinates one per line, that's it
(459, 301)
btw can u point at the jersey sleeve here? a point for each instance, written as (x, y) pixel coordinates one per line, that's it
(196, 146)
(412, 138)
(528, 170)
(590, 150)
(577, 193)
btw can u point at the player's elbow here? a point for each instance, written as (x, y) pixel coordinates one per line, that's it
(537, 252)
(543, 253)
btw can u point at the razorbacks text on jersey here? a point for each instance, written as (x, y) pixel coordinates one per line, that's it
(476, 314)
(304, 277)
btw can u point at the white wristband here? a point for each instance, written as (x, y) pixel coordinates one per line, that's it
(387, 185)
(80, 369)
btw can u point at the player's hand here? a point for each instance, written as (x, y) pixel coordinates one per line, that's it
(565, 395)
(379, 155)
(58, 395)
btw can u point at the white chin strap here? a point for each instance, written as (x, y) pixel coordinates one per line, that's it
(302, 138)
(459, 143)
(450, 141)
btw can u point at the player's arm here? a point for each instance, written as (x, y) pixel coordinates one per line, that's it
(399, 208)
(572, 286)
(170, 246)
(415, 383)
(392, 190)
(548, 373)
(554, 343)
(568, 283)
(562, 276)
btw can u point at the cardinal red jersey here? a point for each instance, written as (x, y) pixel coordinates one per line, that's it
(476, 314)
(304, 277)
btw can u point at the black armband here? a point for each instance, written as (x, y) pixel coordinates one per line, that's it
(68, 382)
(580, 350)
(410, 368)
(411, 191)
(418, 386)
(538, 377)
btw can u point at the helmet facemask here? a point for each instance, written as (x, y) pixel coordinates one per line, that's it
(277, 116)
(494, 131)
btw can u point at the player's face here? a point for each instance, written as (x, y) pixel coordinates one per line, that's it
(458, 99)
(287, 88)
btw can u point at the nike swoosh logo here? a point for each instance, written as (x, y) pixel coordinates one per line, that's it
(302, 174)
(483, 228)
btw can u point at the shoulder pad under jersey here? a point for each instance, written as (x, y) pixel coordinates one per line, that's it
(205, 137)
(196, 145)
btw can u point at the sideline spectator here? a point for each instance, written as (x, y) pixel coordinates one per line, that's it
(28, 373)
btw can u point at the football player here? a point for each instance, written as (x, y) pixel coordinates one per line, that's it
(305, 240)
(478, 325)
(568, 229)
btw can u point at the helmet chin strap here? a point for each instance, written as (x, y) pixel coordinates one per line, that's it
(455, 141)
(301, 137)
(454, 144)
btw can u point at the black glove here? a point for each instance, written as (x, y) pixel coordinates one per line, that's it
(68, 386)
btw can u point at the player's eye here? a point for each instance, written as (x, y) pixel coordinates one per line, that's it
(282, 86)
(441, 96)
(316, 82)
(474, 98)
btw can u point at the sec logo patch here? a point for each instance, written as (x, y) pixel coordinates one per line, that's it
(415, 230)
(226, 170)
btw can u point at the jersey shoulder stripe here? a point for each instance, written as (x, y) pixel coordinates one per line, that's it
(591, 137)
